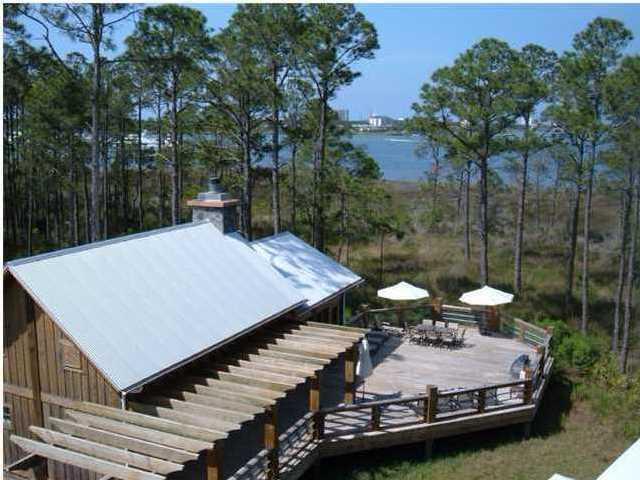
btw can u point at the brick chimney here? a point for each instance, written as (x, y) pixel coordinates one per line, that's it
(216, 206)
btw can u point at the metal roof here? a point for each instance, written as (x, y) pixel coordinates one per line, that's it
(315, 275)
(144, 304)
(626, 466)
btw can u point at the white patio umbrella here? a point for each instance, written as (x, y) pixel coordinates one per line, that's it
(486, 296)
(403, 291)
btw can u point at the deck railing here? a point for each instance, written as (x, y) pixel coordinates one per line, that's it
(294, 445)
(301, 440)
(431, 407)
(474, 316)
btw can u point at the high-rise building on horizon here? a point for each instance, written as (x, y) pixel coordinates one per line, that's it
(343, 115)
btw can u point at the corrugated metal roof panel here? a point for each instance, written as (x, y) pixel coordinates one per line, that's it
(143, 304)
(315, 275)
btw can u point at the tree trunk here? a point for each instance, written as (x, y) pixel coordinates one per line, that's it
(175, 163)
(58, 218)
(96, 85)
(585, 248)
(47, 210)
(460, 195)
(467, 213)
(124, 172)
(275, 154)
(160, 166)
(87, 206)
(74, 233)
(293, 185)
(246, 187)
(380, 277)
(517, 278)
(625, 210)
(343, 223)
(571, 251)
(554, 201)
(628, 300)
(483, 224)
(436, 175)
(30, 212)
(538, 202)
(139, 183)
(318, 177)
(105, 177)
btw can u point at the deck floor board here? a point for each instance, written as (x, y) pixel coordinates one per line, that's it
(402, 368)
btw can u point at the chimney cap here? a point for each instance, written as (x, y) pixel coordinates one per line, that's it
(216, 191)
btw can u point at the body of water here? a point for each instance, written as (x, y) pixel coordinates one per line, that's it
(395, 154)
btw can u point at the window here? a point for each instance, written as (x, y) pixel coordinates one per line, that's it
(7, 416)
(70, 355)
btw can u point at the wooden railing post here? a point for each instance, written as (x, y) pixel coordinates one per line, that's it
(431, 404)
(314, 393)
(214, 461)
(318, 425)
(271, 442)
(527, 395)
(375, 417)
(542, 356)
(351, 359)
(482, 400)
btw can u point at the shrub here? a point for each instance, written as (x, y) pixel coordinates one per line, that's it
(571, 348)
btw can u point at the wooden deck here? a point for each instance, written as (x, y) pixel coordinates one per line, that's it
(402, 368)
(471, 389)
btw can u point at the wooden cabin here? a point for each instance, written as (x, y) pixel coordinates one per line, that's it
(191, 335)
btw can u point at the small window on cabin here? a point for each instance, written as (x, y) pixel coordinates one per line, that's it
(7, 417)
(70, 355)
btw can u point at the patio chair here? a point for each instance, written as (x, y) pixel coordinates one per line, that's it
(433, 338)
(440, 324)
(448, 341)
(459, 339)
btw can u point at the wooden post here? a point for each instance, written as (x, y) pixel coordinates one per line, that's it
(271, 442)
(375, 417)
(428, 448)
(214, 461)
(436, 310)
(431, 404)
(318, 426)
(527, 395)
(350, 361)
(365, 315)
(482, 400)
(542, 356)
(400, 317)
(314, 393)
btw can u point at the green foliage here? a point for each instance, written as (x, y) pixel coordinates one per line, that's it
(571, 348)
(614, 394)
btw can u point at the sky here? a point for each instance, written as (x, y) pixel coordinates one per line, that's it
(415, 40)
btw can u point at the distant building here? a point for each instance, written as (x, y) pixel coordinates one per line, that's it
(343, 115)
(380, 121)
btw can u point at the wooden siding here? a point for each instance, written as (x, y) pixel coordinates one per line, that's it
(84, 383)
(328, 312)
(56, 382)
